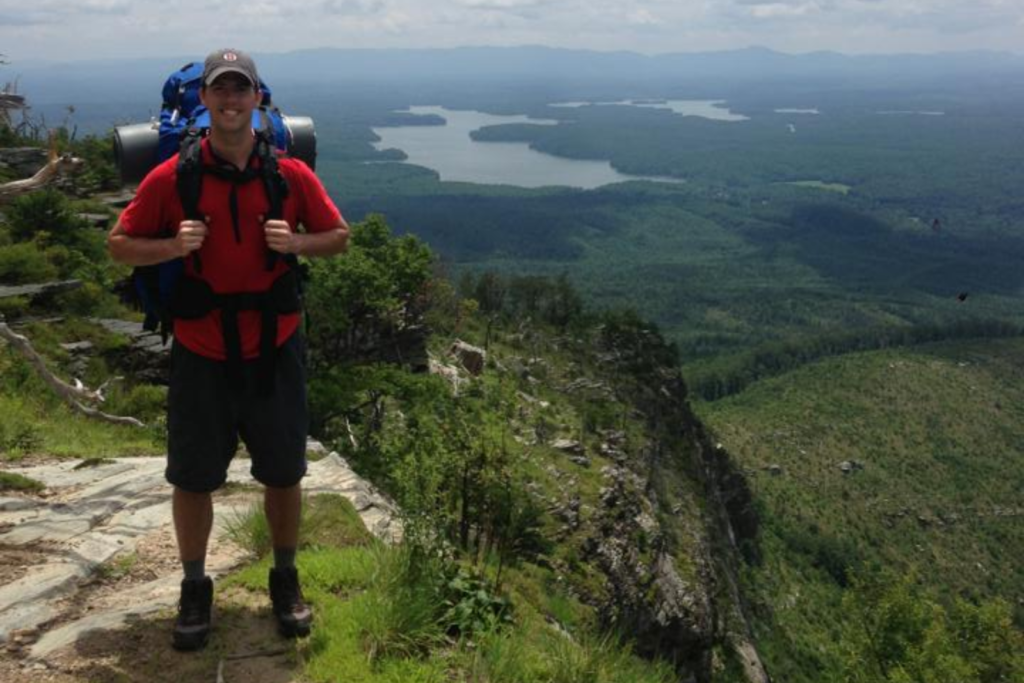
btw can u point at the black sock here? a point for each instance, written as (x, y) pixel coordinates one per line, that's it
(195, 570)
(284, 558)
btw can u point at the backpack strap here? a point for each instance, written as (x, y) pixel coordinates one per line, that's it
(190, 180)
(274, 182)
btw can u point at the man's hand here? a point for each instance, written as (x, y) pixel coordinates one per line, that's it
(280, 237)
(190, 236)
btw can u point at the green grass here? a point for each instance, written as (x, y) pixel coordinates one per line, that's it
(328, 520)
(380, 621)
(35, 421)
(12, 481)
(939, 430)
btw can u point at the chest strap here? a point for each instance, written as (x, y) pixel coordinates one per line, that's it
(194, 298)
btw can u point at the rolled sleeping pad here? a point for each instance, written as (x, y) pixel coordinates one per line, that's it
(135, 150)
(301, 139)
(136, 146)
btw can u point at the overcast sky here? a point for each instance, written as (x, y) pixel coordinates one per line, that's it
(82, 29)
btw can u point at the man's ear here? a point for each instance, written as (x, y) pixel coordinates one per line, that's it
(202, 95)
(259, 96)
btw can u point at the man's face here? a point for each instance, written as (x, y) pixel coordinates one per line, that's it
(230, 99)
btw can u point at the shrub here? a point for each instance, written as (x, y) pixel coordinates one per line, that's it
(377, 288)
(25, 263)
(44, 210)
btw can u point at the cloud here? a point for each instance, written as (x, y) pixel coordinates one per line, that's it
(643, 17)
(351, 7)
(43, 28)
(500, 4)
(780, 9)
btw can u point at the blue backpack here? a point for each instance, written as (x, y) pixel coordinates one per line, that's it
(182, 109)
(184, 121)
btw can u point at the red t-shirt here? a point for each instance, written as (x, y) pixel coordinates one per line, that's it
(230, 264)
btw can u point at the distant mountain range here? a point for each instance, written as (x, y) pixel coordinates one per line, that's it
(127, 79)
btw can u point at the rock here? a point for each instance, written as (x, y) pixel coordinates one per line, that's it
(449, 373)
(471, 357)
(315, 448)
(567, 446)
(24, 161)
(581, 460)
(774, 470)
(148, 358)
(532, 399)
(850, 466)
(78, 347)
(118, 200)
(96, 220)
(44, 289)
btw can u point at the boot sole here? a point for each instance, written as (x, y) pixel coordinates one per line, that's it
(293, 630)
(190, 643)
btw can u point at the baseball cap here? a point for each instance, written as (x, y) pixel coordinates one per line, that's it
(220, 62)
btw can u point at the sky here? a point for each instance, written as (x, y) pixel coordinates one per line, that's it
(74, 30)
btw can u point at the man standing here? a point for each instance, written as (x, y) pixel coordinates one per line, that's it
(237, 364)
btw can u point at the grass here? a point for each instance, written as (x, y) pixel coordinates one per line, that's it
(328, 520)
(379, 618)
(12, 481)
(938, 429)
(117, 567)
(35, 421)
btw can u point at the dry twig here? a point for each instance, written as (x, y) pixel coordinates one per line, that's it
(56, 167)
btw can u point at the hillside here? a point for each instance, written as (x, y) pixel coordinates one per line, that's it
(933, 439)
(565, 516)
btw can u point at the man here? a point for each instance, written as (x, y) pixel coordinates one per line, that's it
(237, 364)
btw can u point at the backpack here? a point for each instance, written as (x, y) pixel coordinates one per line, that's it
(184, 121)
(182, 108)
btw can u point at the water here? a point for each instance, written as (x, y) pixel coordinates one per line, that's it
(707, 109)
(449, 150)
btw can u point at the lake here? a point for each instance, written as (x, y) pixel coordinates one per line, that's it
(450, 151)
(705, 109)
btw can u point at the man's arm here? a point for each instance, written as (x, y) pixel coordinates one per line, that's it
(329, 242)
(145, 251)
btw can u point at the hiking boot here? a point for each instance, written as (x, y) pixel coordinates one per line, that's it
(192, 627)
(292, 613)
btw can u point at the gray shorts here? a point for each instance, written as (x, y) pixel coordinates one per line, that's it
(206, 417)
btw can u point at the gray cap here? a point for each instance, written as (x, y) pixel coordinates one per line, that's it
(228, 60)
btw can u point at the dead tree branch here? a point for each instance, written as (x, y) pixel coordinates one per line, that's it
(58, 166)
(76, 396)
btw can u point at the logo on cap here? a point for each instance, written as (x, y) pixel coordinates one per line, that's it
(230, 57)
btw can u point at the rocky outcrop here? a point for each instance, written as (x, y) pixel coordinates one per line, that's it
(669, 616)
(676, 519)
(471, 357)
(45, 289)
(23, 161)
(147, 358)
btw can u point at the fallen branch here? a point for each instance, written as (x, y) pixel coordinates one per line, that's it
(56, 167)
(76, 396)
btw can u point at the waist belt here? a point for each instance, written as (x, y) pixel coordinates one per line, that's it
(194, 298)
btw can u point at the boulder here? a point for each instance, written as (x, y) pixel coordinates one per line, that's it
(43, 289)
(471, 357)
(568, 446)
